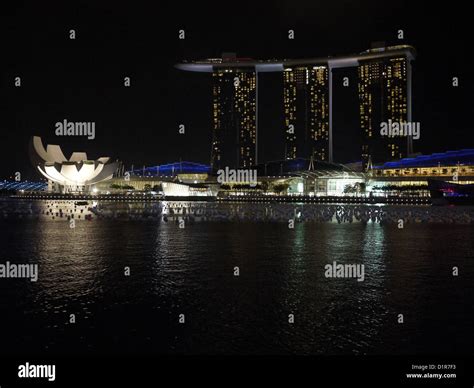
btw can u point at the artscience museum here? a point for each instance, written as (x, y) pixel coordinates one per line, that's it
(76, 174)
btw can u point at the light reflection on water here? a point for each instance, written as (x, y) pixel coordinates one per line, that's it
(190, 271)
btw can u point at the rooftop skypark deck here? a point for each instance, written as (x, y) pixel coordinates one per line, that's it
(278, 65)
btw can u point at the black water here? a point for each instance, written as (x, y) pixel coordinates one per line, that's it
(190, 271)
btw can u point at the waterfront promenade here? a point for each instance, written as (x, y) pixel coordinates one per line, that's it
(192, 211)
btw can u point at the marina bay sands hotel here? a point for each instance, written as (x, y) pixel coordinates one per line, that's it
(384, 93)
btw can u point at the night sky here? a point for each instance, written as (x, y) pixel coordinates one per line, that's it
(82, 79)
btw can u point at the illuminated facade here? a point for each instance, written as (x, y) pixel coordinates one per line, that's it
(306, 112)
(384, 90)
(76, 174)
(291, 84)
(383, 95)
(234, 115)
(319, 112)
(451, 166)
(451, 173)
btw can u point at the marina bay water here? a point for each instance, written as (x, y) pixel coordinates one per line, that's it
(191, 270)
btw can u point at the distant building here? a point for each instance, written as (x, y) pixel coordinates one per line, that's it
(171, 189)
(452, 166)
(415, 174)
(180, 170)
(76, 174)
(306, 112)
(384, 94)
(234, 127)
(384, 89)
(151, 178)
(407, 177)
(310, 177)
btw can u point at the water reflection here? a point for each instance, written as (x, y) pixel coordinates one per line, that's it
(191, 270)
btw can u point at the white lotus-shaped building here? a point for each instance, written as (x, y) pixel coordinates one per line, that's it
(76, 174)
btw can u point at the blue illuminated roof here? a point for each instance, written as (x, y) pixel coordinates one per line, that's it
(173, 169)
(25, 185)
(280, 167)
(449, 158)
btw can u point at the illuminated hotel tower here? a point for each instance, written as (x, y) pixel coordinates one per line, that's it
(294, 100)
(319, 112)
(234, 128)
(306, 110)
(384, 94)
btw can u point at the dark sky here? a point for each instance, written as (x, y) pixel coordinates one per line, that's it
(82, 79)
